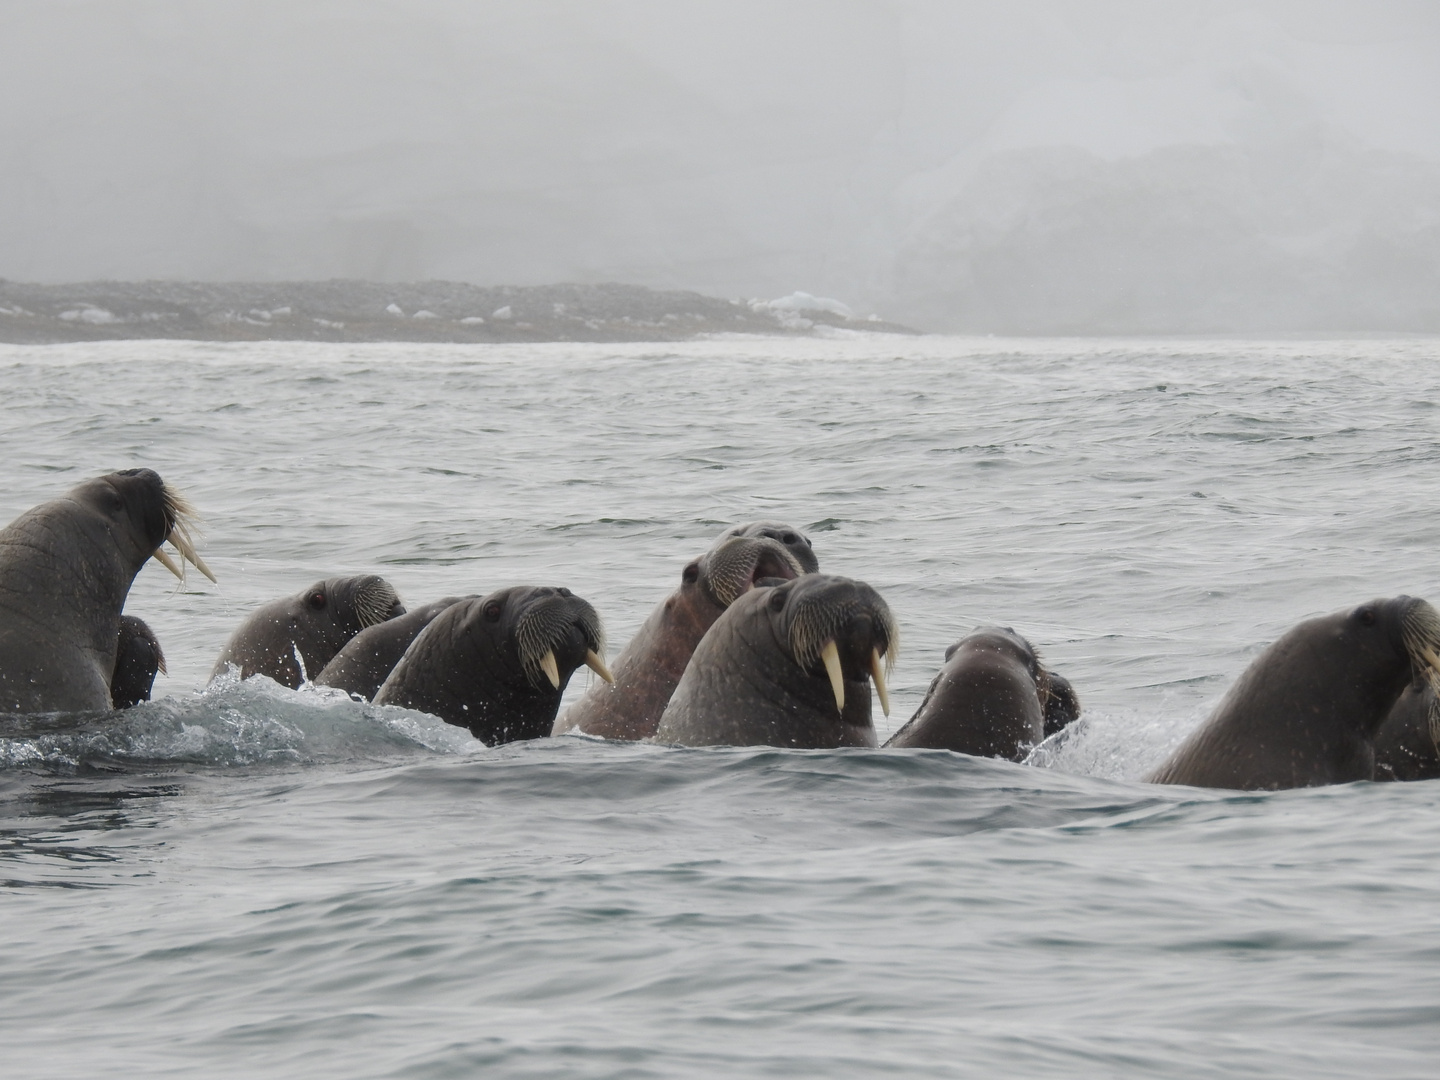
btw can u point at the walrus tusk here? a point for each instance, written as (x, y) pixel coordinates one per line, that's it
(831, 655)
(877, 672)
(167, 562)
(596, 664)
(551, 669)
(187, 549)
(1431, 659)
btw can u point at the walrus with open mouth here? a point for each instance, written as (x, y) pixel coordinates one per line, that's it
(649, 668)
(66, 567)
(990, 699)
(498, 664)
(1306, 712)
(367, 659)
(307, 629)
(788, 664)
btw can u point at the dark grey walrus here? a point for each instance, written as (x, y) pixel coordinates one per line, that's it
(65, 569)
(1306, 711)
(312, 625)
(1406, 746)
(787, 665)
(498, 664)
(649, 668)
(368, 658)
(138, 657)
(990, 699)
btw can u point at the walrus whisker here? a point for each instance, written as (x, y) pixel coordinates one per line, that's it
(830, 654)
(877, 673)
(596, 663)
(169, 563)
(187, 550)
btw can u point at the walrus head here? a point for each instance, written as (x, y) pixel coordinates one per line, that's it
(354, 603)
(838, 629)
(733, 566)
(1420, 633)
(550, 626)
(791, 538)
(499, 664)
(144, 514)
(1004, 639)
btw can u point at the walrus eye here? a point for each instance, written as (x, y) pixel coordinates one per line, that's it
(493, 610)
(691, 574)
(316, 600)
(777, 600)
(1366, 615)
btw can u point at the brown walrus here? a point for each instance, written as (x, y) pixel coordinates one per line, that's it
(66, 567)
(1306, 711)
(499, 664)
(787, 665)
(990, 699)
(308, 628)
(649, 668)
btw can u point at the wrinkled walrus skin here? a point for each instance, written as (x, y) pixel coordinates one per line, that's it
(315, 623)
(786, 665)
(66, 567)
(649, 668)
(1306, 711)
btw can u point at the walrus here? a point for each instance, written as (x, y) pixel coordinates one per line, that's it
(66, 567)
(1407, 747)
(1306, 712)
(138, 657)
(308, 628)
(787, 664)
(498, 664)
(1062, 704)
(368, 658)
(649, 668)
(791, 538)
(990, 699)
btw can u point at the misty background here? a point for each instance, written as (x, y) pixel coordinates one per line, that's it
(1034, 167)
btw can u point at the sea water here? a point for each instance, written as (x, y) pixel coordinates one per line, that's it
(242, 880)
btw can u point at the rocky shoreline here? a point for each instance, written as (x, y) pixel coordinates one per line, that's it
(435, 311)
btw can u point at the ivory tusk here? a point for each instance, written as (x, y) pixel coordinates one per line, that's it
(877, 672)
(831, 655)
(187, 550)
(167, 562)
(551, 669)
(596, 663)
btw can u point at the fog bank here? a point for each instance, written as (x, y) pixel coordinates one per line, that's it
(1017, 167)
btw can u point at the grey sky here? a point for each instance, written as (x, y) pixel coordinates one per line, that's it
(1037, 166)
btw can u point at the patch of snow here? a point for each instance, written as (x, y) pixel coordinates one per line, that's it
(472, 320)
(502, 313)
(279, 311)
(263, 316)
(424, 314)
(95, 316)
(394, 309)
(803, 301)
(328, 324)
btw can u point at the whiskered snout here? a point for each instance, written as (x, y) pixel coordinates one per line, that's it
(557, 626)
